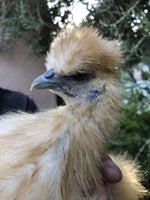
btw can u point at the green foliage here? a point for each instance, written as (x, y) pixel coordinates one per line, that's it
(134, 127)
(128, 21)
(133, 134)
(34, 20)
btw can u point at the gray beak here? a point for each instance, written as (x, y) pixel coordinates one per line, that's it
(48, 80)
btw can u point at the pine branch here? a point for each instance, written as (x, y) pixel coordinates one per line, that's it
(3, 8)
(122, 18)
(140, 41)
(39, 15)
(142, 148)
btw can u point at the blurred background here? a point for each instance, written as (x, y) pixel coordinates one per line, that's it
(27, 27)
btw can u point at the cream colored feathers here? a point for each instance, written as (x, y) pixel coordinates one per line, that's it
(82, 49)
(57, 154)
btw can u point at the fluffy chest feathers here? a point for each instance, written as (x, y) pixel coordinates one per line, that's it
(33, 155)
(49, 155)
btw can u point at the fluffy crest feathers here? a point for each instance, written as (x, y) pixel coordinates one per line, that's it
(83, 49)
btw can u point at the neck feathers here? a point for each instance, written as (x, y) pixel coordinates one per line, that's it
(91, 127)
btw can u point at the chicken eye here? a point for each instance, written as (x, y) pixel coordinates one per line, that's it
(80, 76)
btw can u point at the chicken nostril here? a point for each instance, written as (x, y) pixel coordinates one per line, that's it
(49, 74)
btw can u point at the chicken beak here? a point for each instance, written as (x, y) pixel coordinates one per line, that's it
(48, 80)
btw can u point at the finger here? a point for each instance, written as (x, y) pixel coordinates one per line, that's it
(111, 172)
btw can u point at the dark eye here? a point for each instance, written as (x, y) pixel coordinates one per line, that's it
(80, 76)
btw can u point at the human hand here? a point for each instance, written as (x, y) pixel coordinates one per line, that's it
(111, 174)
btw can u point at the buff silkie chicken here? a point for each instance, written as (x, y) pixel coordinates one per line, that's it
(57, 154)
